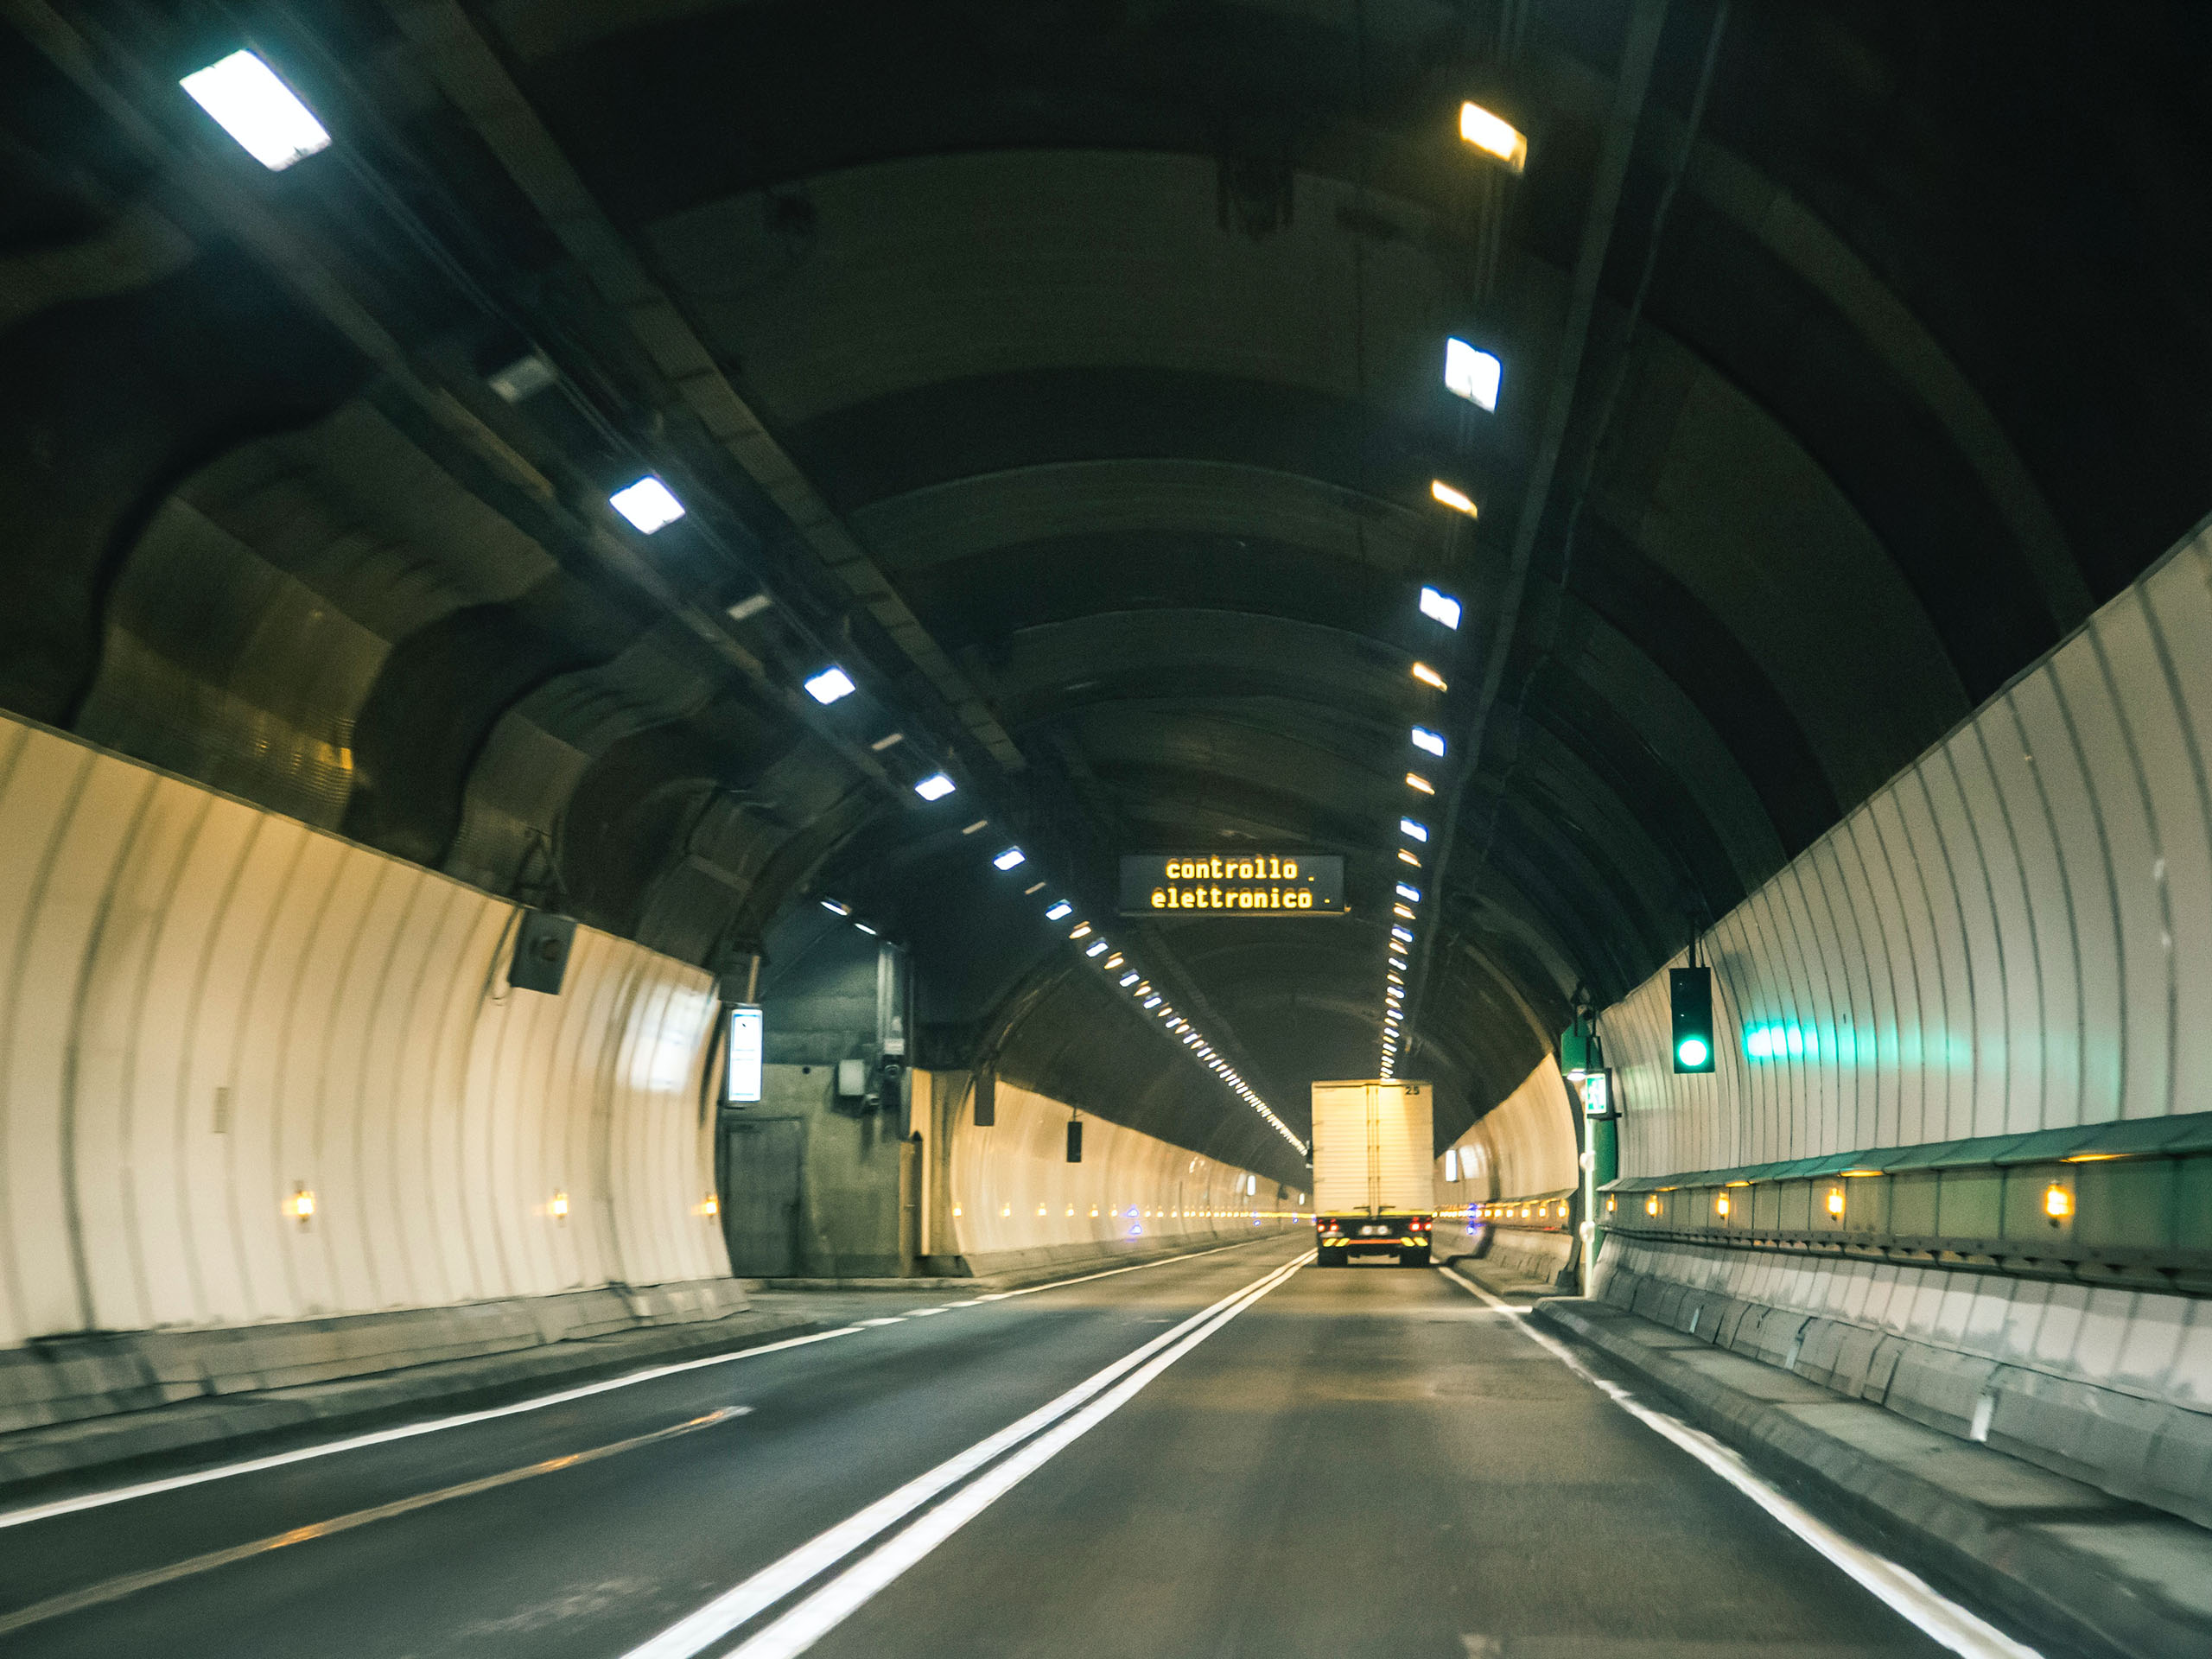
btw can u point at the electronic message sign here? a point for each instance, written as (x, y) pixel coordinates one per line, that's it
(1242, 884)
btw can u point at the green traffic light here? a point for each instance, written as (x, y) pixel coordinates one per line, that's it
(1693, 1050)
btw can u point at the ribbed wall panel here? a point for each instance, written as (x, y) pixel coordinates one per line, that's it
(203, 1006)
(1014, 1190)
(2014, 934)
(1523, 1144)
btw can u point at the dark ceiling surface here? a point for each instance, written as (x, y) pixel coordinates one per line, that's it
(1071, 374)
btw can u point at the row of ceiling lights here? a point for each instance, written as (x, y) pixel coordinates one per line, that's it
(1099, 949)
(245, 97)
(1477, 376)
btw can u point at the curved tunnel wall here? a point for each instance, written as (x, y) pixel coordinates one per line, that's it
(1017, 1201)
(2013, 936)
(207, 1005)
(1522, 1147)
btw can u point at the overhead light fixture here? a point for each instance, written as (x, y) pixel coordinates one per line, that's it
(1494, 136)
(970, 830)
(1415, 780)
(935, 787)
(886, 740)
(649, 506)
(1128, 979)
(1393, 979)
(1152, 1001)
(1439, 607)
(836, 909)
(1403, 910)
(1094, 948)
(1403, 933)
(1471, 374)
(1033, 889)
(1409, 828)
(1080, 930)
(1411, 895)
(831, 683)
(751, 606)
(526, 377)
(1428, 675)
(1405, 857)
(1113, 961)
(1455, 499)
(1008, 859)
(865, 929)
(1428, 741)
(264, 115)
(1058, 911)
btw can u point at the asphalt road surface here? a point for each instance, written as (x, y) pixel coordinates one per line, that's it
(1221, 1455)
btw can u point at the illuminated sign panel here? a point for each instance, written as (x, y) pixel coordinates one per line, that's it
(745, 1028)
(1248, 884)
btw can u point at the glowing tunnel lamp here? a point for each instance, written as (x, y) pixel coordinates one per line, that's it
(1060, 911)
(1651, 1205)
(1415, 780)
(1411, 895)
(1471, 374)
(1094, 948)
(831, 683)
(1835, 1201)
(711, 1206)
(1439, 607)
(301, 1205)
(836, 909)
(1008, 859)
(1413, 828)
(1405, 857)
(1426, 741)
(2058, 1202)
(1455, 499)
(1429, 676)
(1720, 1205)
(1494, 136)
(559, 1207)
(264, 115)
(1404, 913)
(935, 787)
(1081, 930)
(649, 504)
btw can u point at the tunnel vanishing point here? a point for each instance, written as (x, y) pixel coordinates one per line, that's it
(750, 752)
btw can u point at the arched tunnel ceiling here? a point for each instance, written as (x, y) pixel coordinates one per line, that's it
(1071, 373)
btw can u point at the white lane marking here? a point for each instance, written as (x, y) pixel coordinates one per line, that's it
(896, 1319)
(131, 1583)
(407, 1431)
(386, 1436)
(1904, 1591)
(711, 1622)
(846, 1594)
(923, 1312)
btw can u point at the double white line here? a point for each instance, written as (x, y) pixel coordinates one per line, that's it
(1074, 1414)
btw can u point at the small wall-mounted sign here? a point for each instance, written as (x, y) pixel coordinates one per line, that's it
(746, 1029)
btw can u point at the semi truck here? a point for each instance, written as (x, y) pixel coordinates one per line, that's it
(1374, 1171)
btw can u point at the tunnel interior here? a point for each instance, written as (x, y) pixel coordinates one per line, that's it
(814, 519)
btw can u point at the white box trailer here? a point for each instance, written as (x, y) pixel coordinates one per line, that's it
(1374, 1170)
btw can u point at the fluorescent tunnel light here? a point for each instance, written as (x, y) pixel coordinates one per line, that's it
(1008, 859)
(264, 115)
(1439, 607)
(831, 683)
(1471, 374)
(1428, 741)
(649, 504)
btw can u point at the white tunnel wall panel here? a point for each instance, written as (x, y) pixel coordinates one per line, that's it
(1523, 1144)
(1016, 1194)
(2014, 934)
(205, 1006)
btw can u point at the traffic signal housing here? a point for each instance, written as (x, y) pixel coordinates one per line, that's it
(1690, 990)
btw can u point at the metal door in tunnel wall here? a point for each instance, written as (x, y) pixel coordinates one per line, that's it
(759, 1183)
